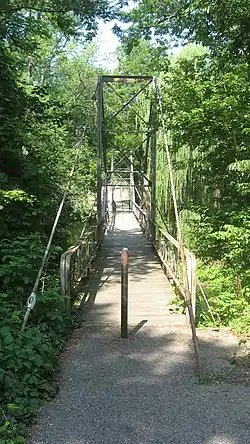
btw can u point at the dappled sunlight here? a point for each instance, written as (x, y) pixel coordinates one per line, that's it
(140, 390)
(221, 440)
(149, 291)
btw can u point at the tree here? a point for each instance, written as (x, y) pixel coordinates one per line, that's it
(222, 26)
(46, 102)
(144, 59)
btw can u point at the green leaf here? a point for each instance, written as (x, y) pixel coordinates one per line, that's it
(4, 427)
(12, 406)
(1, 374)
(26, 279)
(8, 382)
(8, 339)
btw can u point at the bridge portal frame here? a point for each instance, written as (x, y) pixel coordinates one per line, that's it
(103, 172)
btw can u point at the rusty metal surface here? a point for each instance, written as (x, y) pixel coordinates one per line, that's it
(127, 79)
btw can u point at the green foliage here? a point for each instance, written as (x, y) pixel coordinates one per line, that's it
(144, 59)
(220, 26)
(10, 312)
(21, 258)
(205, 111)
(225, 296)
(45, 93)
(241, 324)
(28, 362)
(8, 427)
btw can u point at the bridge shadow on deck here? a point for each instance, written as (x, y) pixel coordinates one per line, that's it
(139, 266)
(147, 282)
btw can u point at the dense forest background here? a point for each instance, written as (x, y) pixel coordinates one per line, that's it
(47, 85)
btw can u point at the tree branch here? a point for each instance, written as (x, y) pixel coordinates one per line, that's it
(32, 8)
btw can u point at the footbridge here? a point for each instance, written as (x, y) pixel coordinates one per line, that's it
(135, 384)
(128, 217)
(137, 286)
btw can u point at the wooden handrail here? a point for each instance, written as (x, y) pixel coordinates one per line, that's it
(83, 253)
(167, 248)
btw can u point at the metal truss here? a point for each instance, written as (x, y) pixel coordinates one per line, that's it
(126, 110)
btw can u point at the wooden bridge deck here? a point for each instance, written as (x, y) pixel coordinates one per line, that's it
(149, 290)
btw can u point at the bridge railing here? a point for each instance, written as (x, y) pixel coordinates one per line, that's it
(76, 261)
(168, 250)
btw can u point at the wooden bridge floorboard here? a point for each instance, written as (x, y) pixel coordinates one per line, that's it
(149, 290)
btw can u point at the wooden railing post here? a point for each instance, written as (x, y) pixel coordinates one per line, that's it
(191, 276)
(76, 262)
(124, 293)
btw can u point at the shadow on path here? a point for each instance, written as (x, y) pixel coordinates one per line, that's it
(149, 289)
(139, 391)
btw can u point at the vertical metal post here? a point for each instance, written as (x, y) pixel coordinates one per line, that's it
(132, 187)
(99, 153)
(104, 154)
(105, 195)
(145, 166)
(112, 177)
(124, 293)
(153, 176)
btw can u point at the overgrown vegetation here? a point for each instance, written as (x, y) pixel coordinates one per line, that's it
(29, 361)
(47, 82)
(208, 117)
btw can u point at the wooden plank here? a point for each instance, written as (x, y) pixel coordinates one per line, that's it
(149, 290)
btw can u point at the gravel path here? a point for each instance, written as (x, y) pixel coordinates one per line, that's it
(141, 390)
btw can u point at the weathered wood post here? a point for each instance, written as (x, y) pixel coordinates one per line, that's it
(124, 293)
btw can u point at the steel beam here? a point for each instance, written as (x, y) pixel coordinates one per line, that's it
(128, 102)
(153, 175)
(133, 110)
(146, 132)
(120, 184)
(99, 149)
(128, 131)
(127, 79)
(136, 149)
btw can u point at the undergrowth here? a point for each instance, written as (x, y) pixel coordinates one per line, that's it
(229, 300)
(29, 361)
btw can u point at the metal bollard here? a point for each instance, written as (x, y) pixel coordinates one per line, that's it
(124, 293)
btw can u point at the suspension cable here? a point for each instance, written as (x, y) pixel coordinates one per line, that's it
(31, 302)
(188, 300)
